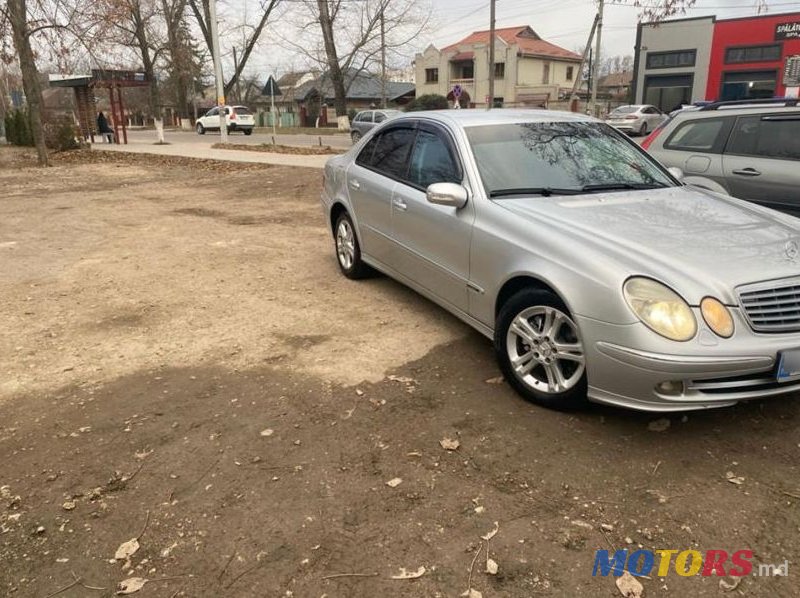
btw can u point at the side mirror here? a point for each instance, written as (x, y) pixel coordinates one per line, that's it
(448, 194)
(676, 172)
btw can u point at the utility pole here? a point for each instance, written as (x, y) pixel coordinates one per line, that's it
(596, 60)
(587, 53)
(491, 55)
(383, 61)
(212, 25)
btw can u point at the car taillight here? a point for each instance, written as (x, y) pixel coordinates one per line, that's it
(233, 114)
(651, 137)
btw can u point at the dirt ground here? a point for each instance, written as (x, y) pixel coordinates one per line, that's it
(182, 363)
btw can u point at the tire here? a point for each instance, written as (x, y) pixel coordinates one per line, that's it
(200, 129)
(247, 131)
(355, 136)
(554, 373)
(643, 130)
(348, 251)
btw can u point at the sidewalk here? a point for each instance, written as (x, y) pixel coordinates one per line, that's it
(193, 150)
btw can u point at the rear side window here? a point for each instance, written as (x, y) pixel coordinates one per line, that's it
(388, 152)
(766, 137)
(432, 161)
(364, 117)
(242, 110)
(380, 117)
(699, 135)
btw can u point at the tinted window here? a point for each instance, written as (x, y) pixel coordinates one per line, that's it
(364, 157)
(432, 161)
(758, 136)
(213, 112)
(391, 151)
(364, 117)
(753, 54)
(696, 135)
(566, 156)
(380, 117)
(665, 60)
(242, 110)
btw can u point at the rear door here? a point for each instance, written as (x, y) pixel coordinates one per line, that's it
(761, 160)
(433, 241)
(695, 145)
(244, 117)
(371, 180)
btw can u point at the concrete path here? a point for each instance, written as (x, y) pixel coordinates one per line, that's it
(191, 145)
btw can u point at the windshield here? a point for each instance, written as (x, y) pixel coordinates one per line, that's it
(625, 110)
(560, 158)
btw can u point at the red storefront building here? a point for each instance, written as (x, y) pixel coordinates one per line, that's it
(703, 58)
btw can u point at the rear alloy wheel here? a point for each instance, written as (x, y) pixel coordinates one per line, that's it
(201, 129)
(539, 350)
(348, 251)
(643, 130)
(355, 136)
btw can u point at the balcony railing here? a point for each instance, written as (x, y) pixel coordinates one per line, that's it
(462, 82)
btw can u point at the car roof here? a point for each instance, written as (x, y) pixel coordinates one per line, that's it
(476, 117)
(736, 111)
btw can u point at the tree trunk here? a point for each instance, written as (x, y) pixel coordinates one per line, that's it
(18, 15)
(334, 69)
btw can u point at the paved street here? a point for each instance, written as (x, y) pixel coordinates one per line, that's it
(257, 138)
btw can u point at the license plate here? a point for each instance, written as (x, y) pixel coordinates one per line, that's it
(789, 365)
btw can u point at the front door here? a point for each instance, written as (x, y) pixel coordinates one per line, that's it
(432, 241)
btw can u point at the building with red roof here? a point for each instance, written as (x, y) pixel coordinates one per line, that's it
(528, 70)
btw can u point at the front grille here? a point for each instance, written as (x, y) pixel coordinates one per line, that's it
(772, 306)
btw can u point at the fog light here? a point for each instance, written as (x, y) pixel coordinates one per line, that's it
(670, 387)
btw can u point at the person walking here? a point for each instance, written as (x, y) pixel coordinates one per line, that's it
(104, 129)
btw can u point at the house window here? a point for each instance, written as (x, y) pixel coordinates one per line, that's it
(570, 71)
(669, 60)
(769, 53)
(546, 74)
(431, 75)
(499, 70)
(468, 71)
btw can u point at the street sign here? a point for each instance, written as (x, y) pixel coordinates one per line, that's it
(457, 91)
(271, 88)
(791, 71)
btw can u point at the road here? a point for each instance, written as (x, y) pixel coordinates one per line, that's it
(176, 136)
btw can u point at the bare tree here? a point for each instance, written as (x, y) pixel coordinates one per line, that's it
(201, 14)
(350, 39)
(17, 14)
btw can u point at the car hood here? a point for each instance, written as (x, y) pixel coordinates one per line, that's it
(674, 233)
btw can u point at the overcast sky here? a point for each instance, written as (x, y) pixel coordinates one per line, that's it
(563, 22)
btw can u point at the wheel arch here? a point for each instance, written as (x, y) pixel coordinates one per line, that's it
(524, 281)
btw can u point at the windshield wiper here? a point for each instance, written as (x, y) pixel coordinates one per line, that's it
(543, 191)
(620, 186)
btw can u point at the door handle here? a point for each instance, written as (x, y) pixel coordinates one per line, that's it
(747, 172)
(355, 184)
(400, 204)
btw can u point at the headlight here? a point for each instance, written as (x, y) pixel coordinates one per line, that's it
(660, 308)
(717, 316)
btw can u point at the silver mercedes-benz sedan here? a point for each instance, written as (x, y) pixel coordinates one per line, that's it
(595, 272)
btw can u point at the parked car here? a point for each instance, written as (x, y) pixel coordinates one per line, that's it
(594, 271)
(366, 120)
(238, 118)
(637, 119)
(747, 149)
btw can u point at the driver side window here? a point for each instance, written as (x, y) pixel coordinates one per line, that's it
(433, 162)
(213, 112)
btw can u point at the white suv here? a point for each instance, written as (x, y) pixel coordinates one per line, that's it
(238, 118)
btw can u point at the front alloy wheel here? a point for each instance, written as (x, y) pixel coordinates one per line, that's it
(201, 129)
(540, 350)
(348, 251)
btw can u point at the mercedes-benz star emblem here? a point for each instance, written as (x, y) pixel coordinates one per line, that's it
(791, 250)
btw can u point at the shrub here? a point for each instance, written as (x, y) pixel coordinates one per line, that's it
(430, 101)
(351, 114)
(60, 134)
(18, 128)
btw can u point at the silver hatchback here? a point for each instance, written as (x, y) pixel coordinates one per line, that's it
(366, 120)
(595, 273)
(750, 150)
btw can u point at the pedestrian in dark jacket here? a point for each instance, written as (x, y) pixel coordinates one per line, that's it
(104, 129)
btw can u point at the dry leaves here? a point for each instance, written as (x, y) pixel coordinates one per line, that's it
(734, 479)
(492, 533)
(449, 444)
(491, 567)
(629, 586)
(394, 482)
(405, 574)
(130, 585)
(127, 549)
(729, 587)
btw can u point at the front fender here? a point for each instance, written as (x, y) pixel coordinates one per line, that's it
(705, 183)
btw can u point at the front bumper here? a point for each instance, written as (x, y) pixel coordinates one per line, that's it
(626, 363)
